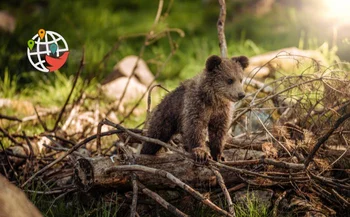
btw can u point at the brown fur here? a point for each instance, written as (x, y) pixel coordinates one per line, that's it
(200, 106)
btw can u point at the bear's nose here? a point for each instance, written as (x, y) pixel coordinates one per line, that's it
(241, 95)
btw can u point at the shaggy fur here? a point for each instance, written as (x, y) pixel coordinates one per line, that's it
(200, 107)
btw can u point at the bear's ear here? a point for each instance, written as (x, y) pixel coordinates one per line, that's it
(212, 62)
(242, 60)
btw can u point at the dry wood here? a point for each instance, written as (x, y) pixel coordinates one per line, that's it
(161, 201)
(10, 118)
(325, 138)
(276, 163)
(144, 138)
(134, 196)
(74, 148)
(221, 182)
(76, 77)
(187, 155)
(172, 178)
(230, 190)
(90, 172)
(221, 28)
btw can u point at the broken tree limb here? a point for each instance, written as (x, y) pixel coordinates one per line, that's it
(90, 172)
(134, 196)
(221, 182)
(156, 197)
(172, 178)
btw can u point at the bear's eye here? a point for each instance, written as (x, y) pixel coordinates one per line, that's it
(230, 81)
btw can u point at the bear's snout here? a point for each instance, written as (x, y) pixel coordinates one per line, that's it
(241, 95)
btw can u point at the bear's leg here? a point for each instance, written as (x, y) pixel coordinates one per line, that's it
(158, 129)
(217, 129)
(194, 128)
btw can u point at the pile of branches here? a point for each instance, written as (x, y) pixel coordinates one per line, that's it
(289, 136)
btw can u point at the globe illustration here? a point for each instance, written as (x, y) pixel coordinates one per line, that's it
(47, 51)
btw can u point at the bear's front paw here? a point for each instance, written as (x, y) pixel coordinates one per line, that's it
(201, 155)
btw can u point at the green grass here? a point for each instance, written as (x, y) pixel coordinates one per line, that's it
(251, 207)
(8, 85)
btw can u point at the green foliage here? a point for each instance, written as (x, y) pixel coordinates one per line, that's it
(251, 207)
(8, 85)
(53, 91)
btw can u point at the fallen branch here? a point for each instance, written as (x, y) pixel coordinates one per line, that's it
(74, 148)
(221, 182)
(134, 195)
(90, 172)
(171, 177)
(276, 163)
(161, 201)
(10, 118)
(144, 138)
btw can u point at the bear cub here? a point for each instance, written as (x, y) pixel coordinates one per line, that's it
(200, 107)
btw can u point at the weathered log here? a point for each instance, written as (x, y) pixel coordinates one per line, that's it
(91, 172)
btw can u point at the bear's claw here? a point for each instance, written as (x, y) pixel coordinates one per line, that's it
(201, 155)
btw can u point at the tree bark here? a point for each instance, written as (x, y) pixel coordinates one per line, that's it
(91, 172)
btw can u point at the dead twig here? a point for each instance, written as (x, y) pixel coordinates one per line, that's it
(277, 203)
(276, 163)
(221, 182)
(73, 112)
(42, 123)
(144, 138)
(324, 138)
(149, 98)
(220, 165)
(148, 89)
(268, 132)
(74, 148)
(98, 137)
(233, 189)
(70, 93)
(134, 196)
(10, 118)
(6, 134)
(142, 50)
(31, 153)
(172, 178)
(8, 161)
(161, 201)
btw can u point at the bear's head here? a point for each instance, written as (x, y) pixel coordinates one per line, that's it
(225, 76)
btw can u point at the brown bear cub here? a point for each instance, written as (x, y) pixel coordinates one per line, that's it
(198, 107)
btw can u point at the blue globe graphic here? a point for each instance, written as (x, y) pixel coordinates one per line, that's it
(36, 55)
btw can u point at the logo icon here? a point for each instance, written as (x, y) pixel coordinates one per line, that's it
(47, 51)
